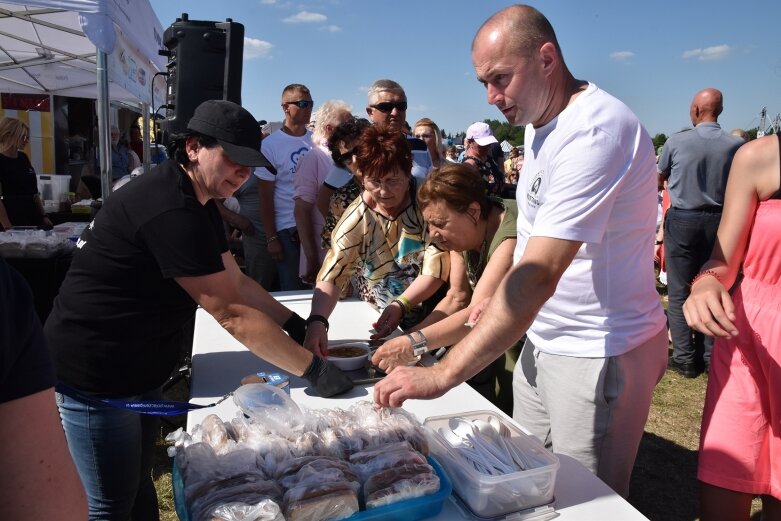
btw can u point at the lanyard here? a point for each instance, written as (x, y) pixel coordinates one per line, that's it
(153, 407)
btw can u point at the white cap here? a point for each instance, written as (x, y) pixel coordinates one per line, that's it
(481, 134)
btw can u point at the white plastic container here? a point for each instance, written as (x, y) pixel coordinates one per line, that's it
(54, 187)
(494, 496)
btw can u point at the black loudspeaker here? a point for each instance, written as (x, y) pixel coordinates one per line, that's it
(205, 60)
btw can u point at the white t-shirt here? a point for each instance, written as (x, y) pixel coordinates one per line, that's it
(312, 170)
(284, 152)
(590, 175)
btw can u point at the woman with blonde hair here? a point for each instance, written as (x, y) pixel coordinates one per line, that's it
(21, 203)
(428, 131)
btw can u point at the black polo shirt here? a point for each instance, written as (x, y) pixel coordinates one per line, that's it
(115, 329)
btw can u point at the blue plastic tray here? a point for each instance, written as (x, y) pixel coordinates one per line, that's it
(408, 510)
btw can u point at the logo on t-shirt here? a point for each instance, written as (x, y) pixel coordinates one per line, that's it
(296, 156)
(532, 194)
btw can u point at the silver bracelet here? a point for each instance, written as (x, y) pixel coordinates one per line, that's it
(420, 345)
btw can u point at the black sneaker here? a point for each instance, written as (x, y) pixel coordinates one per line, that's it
(685, 369)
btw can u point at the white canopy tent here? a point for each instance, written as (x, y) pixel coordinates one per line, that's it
(99, 49)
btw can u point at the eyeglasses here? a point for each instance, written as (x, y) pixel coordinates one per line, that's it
(302, 103)
(389, 182)
(388, 106)
(347, 157)
(425, 135)
(25, 138)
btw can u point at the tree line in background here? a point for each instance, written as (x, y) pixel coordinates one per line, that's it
(502, 131)
(514, 135)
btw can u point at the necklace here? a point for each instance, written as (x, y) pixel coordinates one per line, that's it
(475, 269)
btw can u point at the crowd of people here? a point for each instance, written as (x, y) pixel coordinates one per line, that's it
(381, 210)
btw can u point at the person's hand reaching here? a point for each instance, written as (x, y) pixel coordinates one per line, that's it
(389, 320)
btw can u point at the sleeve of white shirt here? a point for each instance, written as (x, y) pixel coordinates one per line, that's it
(581, 187)
(263, 172)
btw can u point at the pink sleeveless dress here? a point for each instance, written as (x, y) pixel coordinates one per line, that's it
(740, 441)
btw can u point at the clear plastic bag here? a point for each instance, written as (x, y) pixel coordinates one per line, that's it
(269, 406)
(266, 510)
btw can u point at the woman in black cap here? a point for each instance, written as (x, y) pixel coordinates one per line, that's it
(154, 252)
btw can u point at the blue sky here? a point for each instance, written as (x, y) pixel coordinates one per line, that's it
(654, 56)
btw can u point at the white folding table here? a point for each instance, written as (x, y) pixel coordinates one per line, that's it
(219, 362)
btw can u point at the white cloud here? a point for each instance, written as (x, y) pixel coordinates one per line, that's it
(268, 2)
(305, 17)
(621, 56)
(254, 48)
(331, 28)
(716, 52)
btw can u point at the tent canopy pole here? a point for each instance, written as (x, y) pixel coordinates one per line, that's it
(104, 136)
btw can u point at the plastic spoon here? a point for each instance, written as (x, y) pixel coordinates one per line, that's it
(466, 450)
(465, 430)
(525, 461)
(488, 430)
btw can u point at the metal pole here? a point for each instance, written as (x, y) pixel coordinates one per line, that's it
(104, 136)
(146, 137)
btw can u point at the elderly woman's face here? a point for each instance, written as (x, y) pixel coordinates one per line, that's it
(452, 230)
(388, 190)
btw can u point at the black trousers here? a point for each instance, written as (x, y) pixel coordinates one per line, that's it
(689, 237)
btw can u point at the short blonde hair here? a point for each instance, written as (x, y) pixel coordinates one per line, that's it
(12, 131)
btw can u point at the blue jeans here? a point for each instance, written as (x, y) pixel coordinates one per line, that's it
(288, 268)
(112, 450)
(689, 236)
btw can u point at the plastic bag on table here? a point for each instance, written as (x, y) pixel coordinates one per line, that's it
(395, 455)
(400, 483)
(293, 466)
(318, 500)
(341, 443)
(244, 488)
(319, 471)
(270, 407)
(266, 510)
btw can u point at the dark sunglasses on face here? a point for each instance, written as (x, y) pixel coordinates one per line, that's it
(388, 106)
(424, 135)
(302, 103)
(347, 157)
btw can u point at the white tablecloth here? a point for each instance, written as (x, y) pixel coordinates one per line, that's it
(219, 362)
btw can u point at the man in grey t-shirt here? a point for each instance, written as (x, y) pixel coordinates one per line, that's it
(695, 163)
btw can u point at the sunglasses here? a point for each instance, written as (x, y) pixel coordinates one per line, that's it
(347, 157)
(302, 103)
(388, 106)
(424, 135)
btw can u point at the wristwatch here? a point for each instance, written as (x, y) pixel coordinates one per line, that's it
(420, 345)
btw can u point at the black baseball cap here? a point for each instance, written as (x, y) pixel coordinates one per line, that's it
(234, 128)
